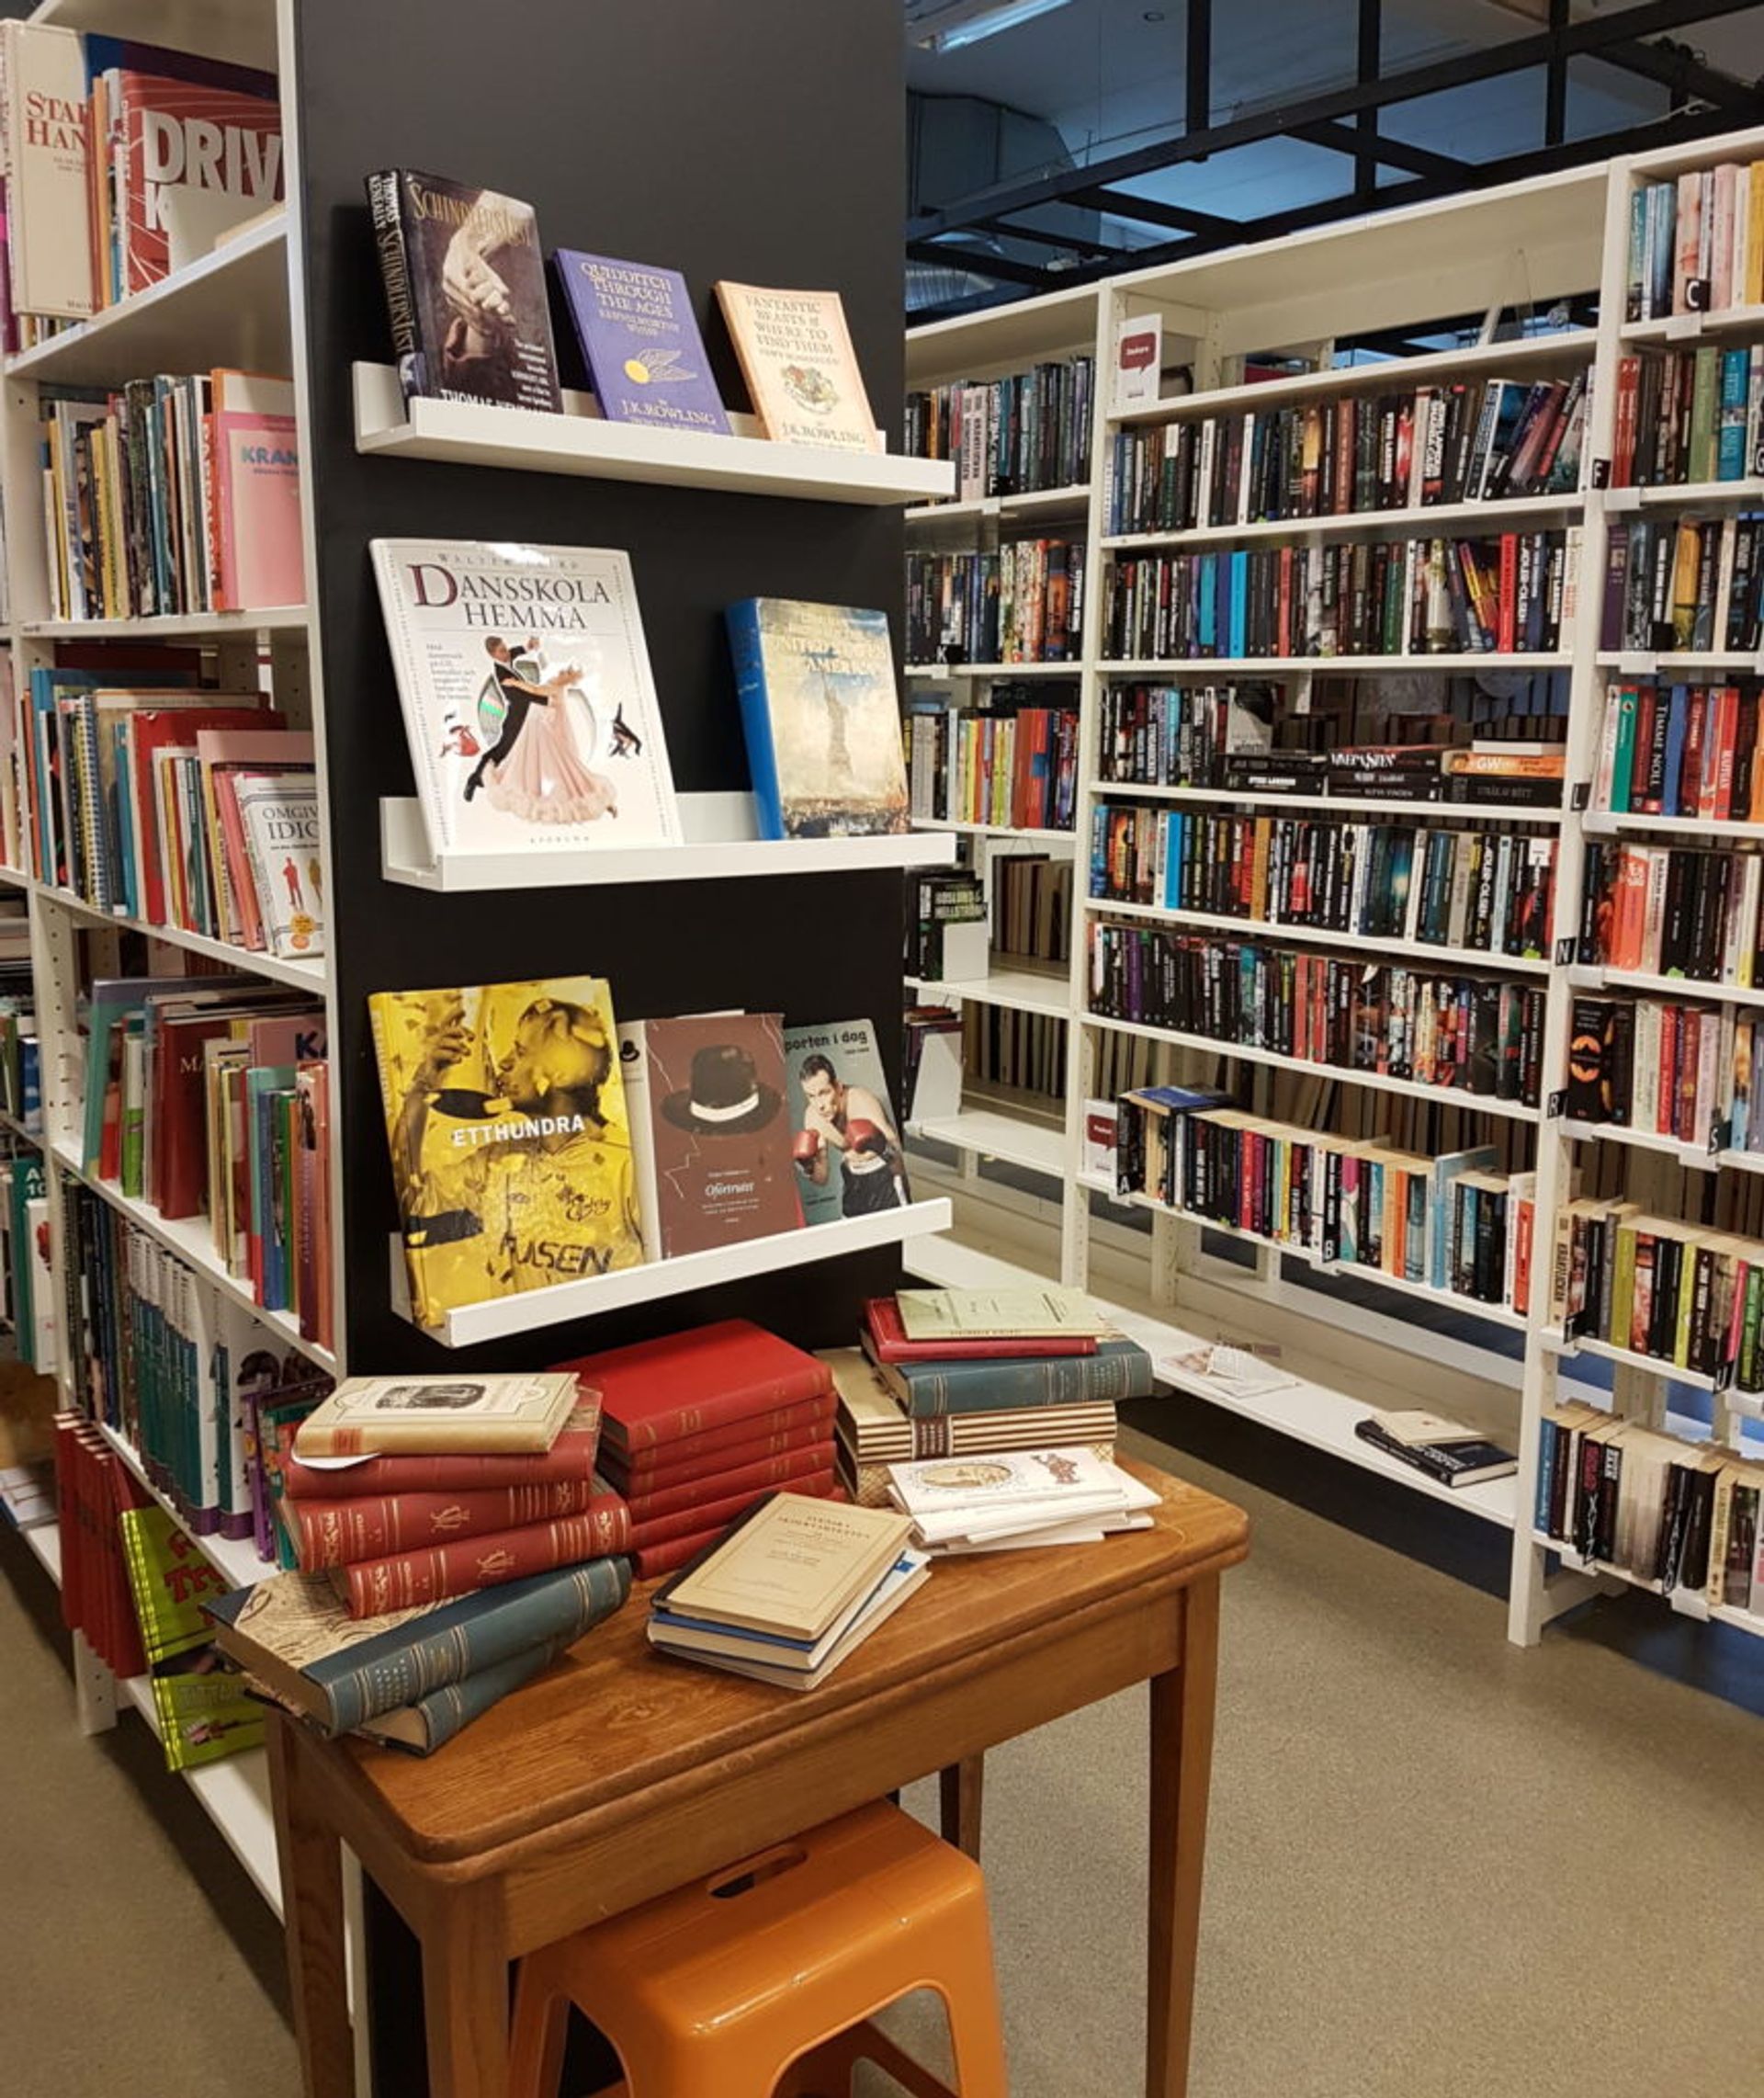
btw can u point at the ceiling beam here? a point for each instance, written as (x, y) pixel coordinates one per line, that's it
(1673, 66)
(1151, 211)
(1590, 37)
(1074, 244)
(1393, 152)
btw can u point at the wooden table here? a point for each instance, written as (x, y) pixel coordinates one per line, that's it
(621, 1774)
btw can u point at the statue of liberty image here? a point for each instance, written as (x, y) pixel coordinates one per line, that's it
(841, 776)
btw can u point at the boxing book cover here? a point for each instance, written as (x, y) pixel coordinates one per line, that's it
(845, 1136)
(511, 1151)
(528, 695)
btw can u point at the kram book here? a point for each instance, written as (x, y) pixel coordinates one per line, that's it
(796, 356)
(381, 1416)
(640, 339)
(528, 695)
(296, 1637)
(718, 1130)
(821, 718)
(845, 1136)
(511, 1152)
(465, 291)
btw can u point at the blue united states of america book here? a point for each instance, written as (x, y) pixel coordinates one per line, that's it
(821, 718)
(646, 358)
(528, 695)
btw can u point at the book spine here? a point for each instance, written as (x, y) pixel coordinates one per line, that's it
(720, 1450)
(771, 1472)
(569, 1461)
(743, 623)
(713, 1514)
(744, 1403)
(447, 1711)
(373, 1527)
(386, 206)
(990, 1388)
(413, 1579)
(404, 1669)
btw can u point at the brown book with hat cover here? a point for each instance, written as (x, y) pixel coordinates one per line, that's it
(722, 1137)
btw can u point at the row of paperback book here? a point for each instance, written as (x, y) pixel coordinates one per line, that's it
(534, 1140)
(1385, 597)
(1689, 416)
(1352, 455)
(26, 1274)
(1673, 910)
(171, 495)
(1471, 1035)
(1681, 1294)
(1696, 244)
(1022, 604)
(1015, 436)
(1174, 736)
(1684, 582)
(1451, 1223)
(209, 1096)
(1484, 890)
(176, 804)
(1666, 1069)
(124, 163)
(1509, 774)
(1677, 1517)
(1014, 768)
(1032, 905)
(183, 1372)
(1680, 750)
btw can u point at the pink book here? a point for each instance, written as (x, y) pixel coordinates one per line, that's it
(257, 509)
(222, 751)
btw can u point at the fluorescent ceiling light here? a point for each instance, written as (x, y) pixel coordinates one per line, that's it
(969, 25)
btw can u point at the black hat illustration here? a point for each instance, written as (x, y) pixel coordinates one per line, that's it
(724, 1098)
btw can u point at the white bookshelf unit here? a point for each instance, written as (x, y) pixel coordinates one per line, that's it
(1355, 1337)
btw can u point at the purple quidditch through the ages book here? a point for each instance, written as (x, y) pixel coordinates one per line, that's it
(645, 355)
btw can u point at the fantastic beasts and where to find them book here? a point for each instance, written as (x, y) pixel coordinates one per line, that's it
(528, 695)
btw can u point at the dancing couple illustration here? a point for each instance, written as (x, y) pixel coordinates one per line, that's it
(534, 770)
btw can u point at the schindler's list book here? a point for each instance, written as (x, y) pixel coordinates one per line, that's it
(528, 695)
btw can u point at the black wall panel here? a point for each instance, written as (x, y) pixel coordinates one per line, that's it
(761, 142)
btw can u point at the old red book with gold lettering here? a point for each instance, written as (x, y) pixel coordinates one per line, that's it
(411, 1579)
(679, 1464)
(683, 1384)
(770, 1473)
(570, 1460)
(383, 1525)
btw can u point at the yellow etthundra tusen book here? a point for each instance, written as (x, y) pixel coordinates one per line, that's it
(510, 1142)
(790, 1568)
(415, 1416)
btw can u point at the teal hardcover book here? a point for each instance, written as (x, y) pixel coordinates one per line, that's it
(294, 1634)
(432, 1722)
(1119, 1370)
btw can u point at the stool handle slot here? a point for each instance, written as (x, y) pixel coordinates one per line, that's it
(755, 1871)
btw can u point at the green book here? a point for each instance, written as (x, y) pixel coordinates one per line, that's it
(1622, 767)
(202, 1709)
(1000, 1384)
(1705, 415)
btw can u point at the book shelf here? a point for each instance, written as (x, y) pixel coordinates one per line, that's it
(1054, 1212)
(707, 926)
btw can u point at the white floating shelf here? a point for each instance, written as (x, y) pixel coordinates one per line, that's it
(189, 1238)
(1568, 347)
(1584, 979)
(1276, 1059)
(532, 1311)
(940, 671)
(1033, 502)
(236, 1557)
(993, 830)
(1313, 935)
(1611, 823)
(719, 843)
(173, 627)
(531, 442)
(1655, 663)
(1686, 327)
(229, 307)
(1017, 990)
(1339, 804)
(1697, 1157)
(1038, 1145)
(1329, 665)
(1651, 1365)
(1686, 494)
(1416, 519)
(234, 1794)
(304, 975)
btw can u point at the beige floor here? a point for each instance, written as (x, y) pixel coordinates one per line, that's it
(1439, 1867)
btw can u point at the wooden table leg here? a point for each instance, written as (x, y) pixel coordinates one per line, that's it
(1181, 1765)
(311, 1863)
(465, 1994)
(961, 1786)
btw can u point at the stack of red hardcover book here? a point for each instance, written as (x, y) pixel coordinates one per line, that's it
(696, 1427)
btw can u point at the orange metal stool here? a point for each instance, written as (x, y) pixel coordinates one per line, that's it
(762, 1979)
